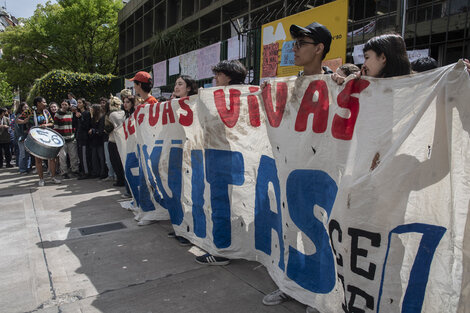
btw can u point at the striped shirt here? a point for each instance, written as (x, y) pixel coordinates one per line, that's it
(63, 125)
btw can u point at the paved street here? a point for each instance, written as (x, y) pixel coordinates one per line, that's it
(49, 263)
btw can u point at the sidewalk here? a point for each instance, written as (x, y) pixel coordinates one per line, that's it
(48, 262)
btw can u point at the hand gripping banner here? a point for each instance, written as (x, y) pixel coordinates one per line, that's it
(354, 197)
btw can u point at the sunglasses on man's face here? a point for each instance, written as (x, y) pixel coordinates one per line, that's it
(299, 43)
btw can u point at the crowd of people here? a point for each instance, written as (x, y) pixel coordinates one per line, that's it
(90, 149)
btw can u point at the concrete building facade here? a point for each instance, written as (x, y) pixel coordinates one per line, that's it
(437, 25)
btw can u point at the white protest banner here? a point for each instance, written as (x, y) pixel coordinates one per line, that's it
(207, 58)
(130, 153)
(174, 66)
(129, 85)
(159, 74)
(236, 49)
(368, 28)
(352, 196)
(188, 62)
(414, 55)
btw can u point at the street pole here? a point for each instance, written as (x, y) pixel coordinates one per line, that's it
(403, 20)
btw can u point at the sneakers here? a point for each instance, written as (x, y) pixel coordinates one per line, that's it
(209, 259)
(55, 180)
(108, 178)
(276, 297)
(65, 176)
(146, 222)
(9, 165)
(41, 183)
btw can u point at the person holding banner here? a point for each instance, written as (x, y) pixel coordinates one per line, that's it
(143, 86)
(312, 44)
(185, 86)
(384, 56)
(225, 73)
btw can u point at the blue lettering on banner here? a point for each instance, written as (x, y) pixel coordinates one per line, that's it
(132, 162)
(197, 193)
(223, 168)
(419, 274)
(305, 189)
(138, 183)
(173, 203)
(265, 218)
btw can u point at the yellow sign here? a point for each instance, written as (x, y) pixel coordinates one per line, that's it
(276, 54)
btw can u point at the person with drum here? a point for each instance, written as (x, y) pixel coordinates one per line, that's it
(43, 120)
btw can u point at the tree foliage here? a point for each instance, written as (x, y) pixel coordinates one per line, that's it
(74, 35)
(6, 92)
(55, 85)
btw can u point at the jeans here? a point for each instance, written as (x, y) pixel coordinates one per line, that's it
(97, 157)
(24, 158)
(69, 149)
(108, 160)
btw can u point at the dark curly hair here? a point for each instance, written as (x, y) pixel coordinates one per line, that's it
(233, 69)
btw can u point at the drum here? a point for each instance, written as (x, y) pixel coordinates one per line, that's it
(44, 143)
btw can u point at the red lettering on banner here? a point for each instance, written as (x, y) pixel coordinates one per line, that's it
(343, 128)
(253, 108)
(154, 113)
(228, 116)
(275, 117)
(187, 119)
(167, 113)
(125, 131)
(318, 108)
(130, 127)
(137, 117)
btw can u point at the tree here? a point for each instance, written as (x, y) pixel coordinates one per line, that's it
(6, 92)
(74, 35)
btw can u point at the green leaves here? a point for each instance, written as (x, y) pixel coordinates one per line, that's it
(68, 35)
(6, 92)
(55, 85)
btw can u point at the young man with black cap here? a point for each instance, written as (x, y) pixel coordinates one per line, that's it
(311, 45)
(143, 86)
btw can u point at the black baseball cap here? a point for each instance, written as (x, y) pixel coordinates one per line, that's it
(316, 31)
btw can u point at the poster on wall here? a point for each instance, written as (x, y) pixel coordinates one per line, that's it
(333, 15)
(188, 63)
(207, 58)
(159, 74)
(174, 66)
